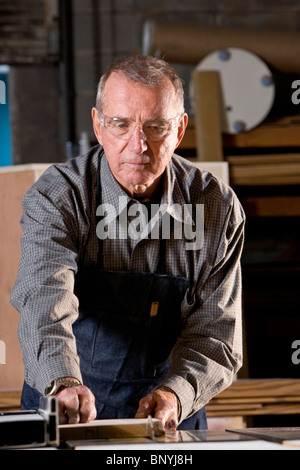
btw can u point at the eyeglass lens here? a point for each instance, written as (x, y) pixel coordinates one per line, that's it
(123, 128)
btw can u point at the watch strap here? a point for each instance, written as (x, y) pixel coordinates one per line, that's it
(59, 384)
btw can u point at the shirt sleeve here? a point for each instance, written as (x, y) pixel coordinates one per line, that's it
(43, 292)
(209, 350)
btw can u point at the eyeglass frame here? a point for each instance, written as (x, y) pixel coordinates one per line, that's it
(174, 121)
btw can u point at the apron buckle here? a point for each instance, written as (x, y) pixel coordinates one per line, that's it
(154, 309)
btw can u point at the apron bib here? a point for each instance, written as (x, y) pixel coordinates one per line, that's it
(124, 339)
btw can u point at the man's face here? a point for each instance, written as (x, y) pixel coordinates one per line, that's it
(137, 164)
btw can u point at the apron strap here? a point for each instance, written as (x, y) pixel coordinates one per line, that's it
(98, 202)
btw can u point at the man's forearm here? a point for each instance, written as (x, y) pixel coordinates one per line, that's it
(48, 344)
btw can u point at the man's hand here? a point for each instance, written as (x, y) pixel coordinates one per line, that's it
(76, 405)
(161, 404)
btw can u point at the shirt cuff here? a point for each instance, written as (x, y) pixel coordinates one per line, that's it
(56, 367)
(184, 392)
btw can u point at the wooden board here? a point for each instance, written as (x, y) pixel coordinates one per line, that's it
(110, 429)
(14, 183)
(208, 129)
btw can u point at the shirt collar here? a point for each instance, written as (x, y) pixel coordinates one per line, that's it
(112, 192)
(176, 204)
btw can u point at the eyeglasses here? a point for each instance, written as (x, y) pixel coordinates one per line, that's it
(153, 129)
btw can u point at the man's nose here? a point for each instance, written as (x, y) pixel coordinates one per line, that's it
(138, 141)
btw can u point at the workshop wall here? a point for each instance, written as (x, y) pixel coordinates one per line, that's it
(98, 31)
(104, 30)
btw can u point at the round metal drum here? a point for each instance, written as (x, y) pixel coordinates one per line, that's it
(247, 88)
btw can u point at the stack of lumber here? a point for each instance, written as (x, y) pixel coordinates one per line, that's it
(248, 397)
(257, 164)
(262, 170)
(266, 168)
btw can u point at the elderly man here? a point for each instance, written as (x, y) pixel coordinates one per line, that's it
(129, 286)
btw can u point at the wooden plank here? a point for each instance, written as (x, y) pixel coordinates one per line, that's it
(221, 401)
(234, 406)
(265, 410)
(110, 429)
(264, 170)
(262, 388)
(265, 135)
(264, 180)
(262, 159)
(207, 96)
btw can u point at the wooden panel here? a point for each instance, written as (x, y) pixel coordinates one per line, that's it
(14, 182)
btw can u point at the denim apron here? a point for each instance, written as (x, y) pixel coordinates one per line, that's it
(127, 326)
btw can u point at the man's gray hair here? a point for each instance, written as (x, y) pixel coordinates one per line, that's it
(145, 70)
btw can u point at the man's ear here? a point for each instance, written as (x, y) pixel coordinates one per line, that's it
(96, 125)
(181, 128)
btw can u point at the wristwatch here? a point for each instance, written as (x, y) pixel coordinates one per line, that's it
(59, 384)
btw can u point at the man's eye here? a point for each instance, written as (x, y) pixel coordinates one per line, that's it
(156, 127)
(121, 124)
